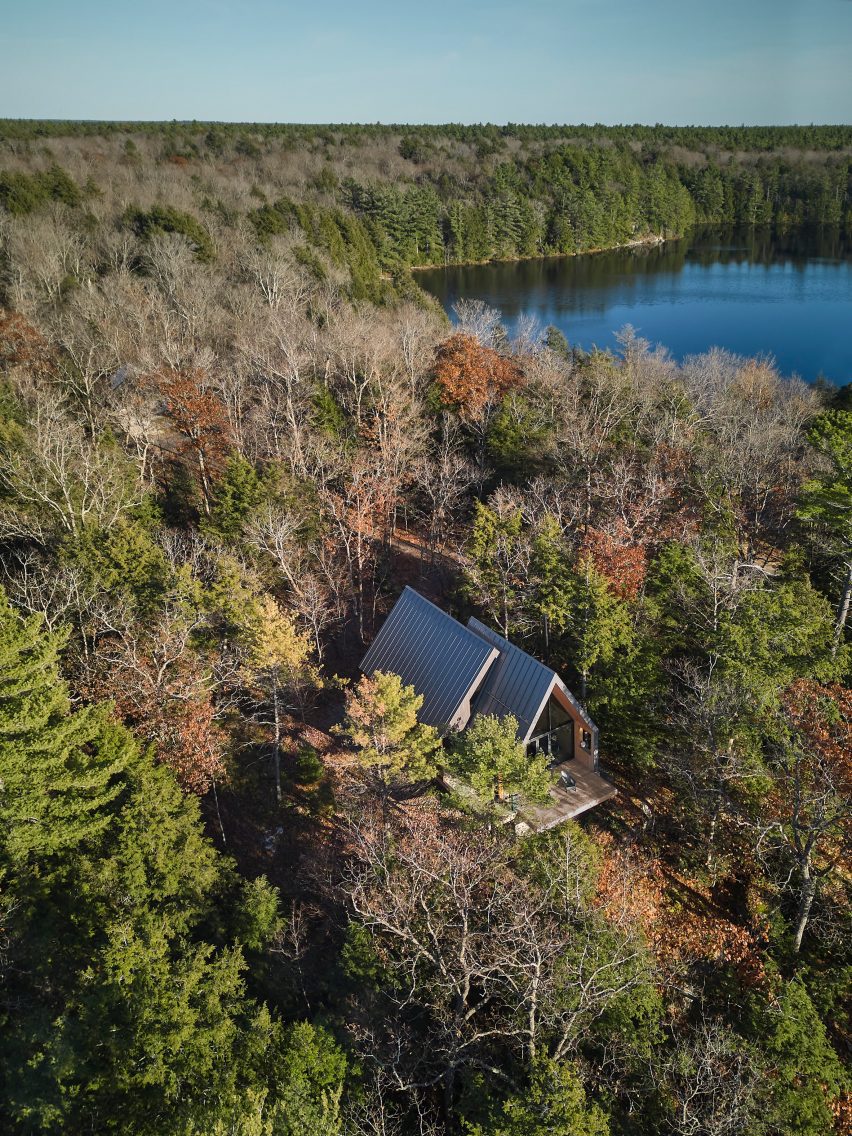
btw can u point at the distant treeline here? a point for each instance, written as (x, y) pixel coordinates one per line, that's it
(574, 199)
(751, 138)
(378, 200)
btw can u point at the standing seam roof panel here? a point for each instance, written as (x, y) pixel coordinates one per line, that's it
(430, 651)
(516, 684)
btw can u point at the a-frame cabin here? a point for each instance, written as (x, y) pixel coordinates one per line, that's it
(462, 671)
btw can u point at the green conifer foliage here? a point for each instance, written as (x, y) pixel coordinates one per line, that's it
(489, 756)
(119, 1011)
(554, 1104)
(827, 500)
(56, 772)
(804, 1072)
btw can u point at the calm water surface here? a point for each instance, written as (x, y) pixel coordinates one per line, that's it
(751, 292)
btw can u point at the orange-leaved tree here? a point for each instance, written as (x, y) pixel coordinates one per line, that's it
(200, 419)
(618, 558)
(470, 376)
(162, 689)
(22, 345)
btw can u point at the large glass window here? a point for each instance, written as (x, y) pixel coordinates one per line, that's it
(553, 733)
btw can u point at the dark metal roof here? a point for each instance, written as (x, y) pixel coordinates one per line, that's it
(515, 684)
(432, 652)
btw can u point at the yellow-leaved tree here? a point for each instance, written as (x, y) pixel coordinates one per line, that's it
(278, 668)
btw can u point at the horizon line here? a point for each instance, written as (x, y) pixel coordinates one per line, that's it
(411, 125)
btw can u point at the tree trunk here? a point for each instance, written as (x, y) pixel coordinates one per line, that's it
(218, 813)
(711, 840)
(843, 609)
(449, 1091)
(359, 599)
(384, 794)
(806, 899)
(205, 486)
(276, 743)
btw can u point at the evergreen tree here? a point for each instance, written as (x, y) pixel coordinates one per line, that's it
(554, 1104)
(119, 1012)
(381, 721)
(58, 772)
(778, 634)
(804, 1074)
(237, 494)
(551, 580)
(600, 625)
(489, 756)
(278, 668)
(827, 499)
(496, 551)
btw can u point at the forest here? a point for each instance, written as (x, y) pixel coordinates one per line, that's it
(380, 200)
(232, 427)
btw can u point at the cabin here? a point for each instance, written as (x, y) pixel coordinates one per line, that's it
(465, 670)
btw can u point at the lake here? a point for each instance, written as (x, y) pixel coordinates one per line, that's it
(752, 292)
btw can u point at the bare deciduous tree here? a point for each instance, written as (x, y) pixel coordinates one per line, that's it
(476, 318)
(442, 480)
(59, 478)
(43, 254)
(484, 957)
(712, 1082)
(272, 271)
(278, 533)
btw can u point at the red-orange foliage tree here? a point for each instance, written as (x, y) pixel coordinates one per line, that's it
(21, 345)
(622, 562)
(200, 419)
(679, 936)
(470, 375)
(187, 738)
(160, 689)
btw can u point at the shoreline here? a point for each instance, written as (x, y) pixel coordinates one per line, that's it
(638, 242)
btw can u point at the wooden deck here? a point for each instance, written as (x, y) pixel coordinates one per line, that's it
(591, 789)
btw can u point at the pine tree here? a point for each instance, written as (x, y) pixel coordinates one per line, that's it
(600, 625)
(381, 721)
(238, 493)
(56, 777)
(551, 580)
(278, 668)
(554, 1104)
(497, 552)
(489, 756)
(804, 1074)
(119, 1012)
(827, 499)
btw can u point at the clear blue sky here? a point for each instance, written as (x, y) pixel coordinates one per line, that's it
(673, 61)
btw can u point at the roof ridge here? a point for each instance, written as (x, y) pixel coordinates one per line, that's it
(445, 614)
(514, 646)
(518, 683)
